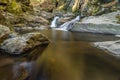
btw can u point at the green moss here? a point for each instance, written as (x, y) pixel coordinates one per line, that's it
(35, 39)
(2, 8)
(113, 8)
(4, 1)
(93, 10)
(14, 7)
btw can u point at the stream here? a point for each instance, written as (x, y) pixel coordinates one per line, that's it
(69, 56)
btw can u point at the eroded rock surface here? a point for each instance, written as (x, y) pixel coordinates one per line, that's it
(22, 43)
(111, 46)
(106, 23)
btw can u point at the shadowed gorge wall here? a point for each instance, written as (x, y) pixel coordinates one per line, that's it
(84, 7)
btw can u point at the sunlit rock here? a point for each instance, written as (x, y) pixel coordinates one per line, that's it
(22, 43)
(65, 18)
(106, 23)
(111, 46)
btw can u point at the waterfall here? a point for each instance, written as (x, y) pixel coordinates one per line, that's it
(67, 25)
(54, 22)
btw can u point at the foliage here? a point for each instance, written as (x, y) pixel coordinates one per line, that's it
(14, 7)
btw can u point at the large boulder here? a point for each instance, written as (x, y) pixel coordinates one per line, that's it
(23, 43)
(106, 23)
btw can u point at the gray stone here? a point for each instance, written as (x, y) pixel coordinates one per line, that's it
(22, 43)
(106, 23)
(111, 46)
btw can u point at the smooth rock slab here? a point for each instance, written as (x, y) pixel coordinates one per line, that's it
(96, 28)
(22, 43)
(106, 23)
(111, 46)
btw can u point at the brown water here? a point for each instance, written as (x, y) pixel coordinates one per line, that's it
(69, 56)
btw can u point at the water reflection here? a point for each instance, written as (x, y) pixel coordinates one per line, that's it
(22, 70)
(20, 67)
(71, 61)
(69, 56)
(56, 35)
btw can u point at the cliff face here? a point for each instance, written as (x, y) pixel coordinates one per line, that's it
(84, 7)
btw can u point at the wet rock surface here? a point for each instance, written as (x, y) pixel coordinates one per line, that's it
(111, 46)
(22, 43)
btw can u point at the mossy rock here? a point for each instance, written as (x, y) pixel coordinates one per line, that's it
(118, 18)
(93, 10)
(25, 2)
(2, 8)
(14, 7)
(22, 43)
(94, 2)
(5, 22)
(3, 4)
(4, 1)
(26, 8)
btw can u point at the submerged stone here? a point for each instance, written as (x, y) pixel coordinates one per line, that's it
(111, 46)
(23, 43)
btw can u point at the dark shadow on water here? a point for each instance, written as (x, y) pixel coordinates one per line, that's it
(19, 67)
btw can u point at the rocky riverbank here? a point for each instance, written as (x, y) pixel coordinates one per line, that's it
(17, 15)
(29, 16)
(13, 43)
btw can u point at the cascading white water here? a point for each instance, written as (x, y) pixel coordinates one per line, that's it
(54, 22)
(106, 24)
(68, 25)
